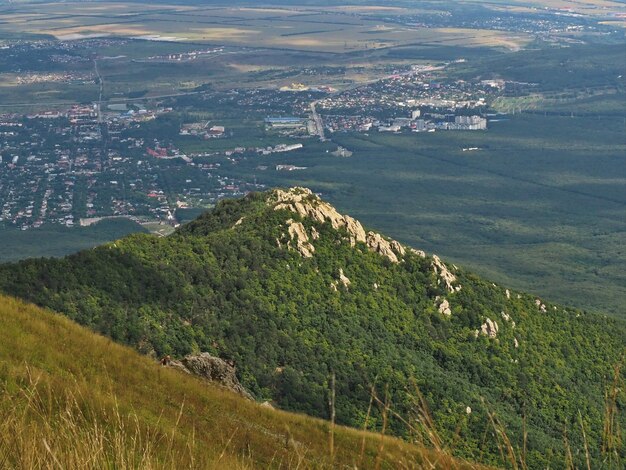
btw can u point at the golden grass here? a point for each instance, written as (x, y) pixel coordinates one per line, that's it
(72, 399)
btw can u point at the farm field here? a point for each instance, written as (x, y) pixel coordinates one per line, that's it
(61, 241)
(332, 30)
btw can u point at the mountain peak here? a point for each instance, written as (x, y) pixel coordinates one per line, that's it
(308, 205)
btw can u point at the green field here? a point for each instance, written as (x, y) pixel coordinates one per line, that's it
(55, 240)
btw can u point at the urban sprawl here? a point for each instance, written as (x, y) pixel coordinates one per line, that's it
(101, 160)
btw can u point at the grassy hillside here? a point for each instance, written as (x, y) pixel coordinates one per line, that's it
(234, 283)
(72, 399)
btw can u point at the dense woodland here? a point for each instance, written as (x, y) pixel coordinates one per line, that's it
(228, 288)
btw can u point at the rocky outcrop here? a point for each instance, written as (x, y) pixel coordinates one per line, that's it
(507, 318)
(298, 234)
(489, 328)
(341, 279)
(444, 274)
(302, 201)
(444, 308)
(315, 235)
(420, 253)
(390, 249)
(212, 369)
(540, 305)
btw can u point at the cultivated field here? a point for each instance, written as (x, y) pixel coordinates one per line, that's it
(337, 29)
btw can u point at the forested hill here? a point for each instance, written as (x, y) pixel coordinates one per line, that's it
(293, 292)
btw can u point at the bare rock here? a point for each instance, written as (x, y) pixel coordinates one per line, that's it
(315, 235)
(397, 247)
(297, 232)
(420, 253)
(489, 328)
(343, 279)
(376, 243)
(444, 308)
(302, 201)
(212, 369)
(444, 274)
(507, 318)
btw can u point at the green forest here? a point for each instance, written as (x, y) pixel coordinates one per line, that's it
(233, 283)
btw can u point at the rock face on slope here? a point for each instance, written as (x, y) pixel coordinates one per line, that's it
(304, 202)
(298, 233)
(212, 369)
(444, 274)
(389, 249)
(489, 328)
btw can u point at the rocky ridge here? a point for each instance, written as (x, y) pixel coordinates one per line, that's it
(304, 202)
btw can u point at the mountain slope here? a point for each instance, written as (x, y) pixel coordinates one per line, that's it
(293, 291)
(72, 399)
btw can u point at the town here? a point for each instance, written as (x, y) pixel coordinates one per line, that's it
(100, 160)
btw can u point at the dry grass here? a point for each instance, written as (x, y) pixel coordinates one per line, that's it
(72, 399)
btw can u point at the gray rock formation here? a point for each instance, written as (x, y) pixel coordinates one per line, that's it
(344, 279)
(302, 201)
(489, 328)
(389, 249)
(212, 369)
(420, 253)
(444, 307)
(341, 279)
(298, 234)
(444, 274)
